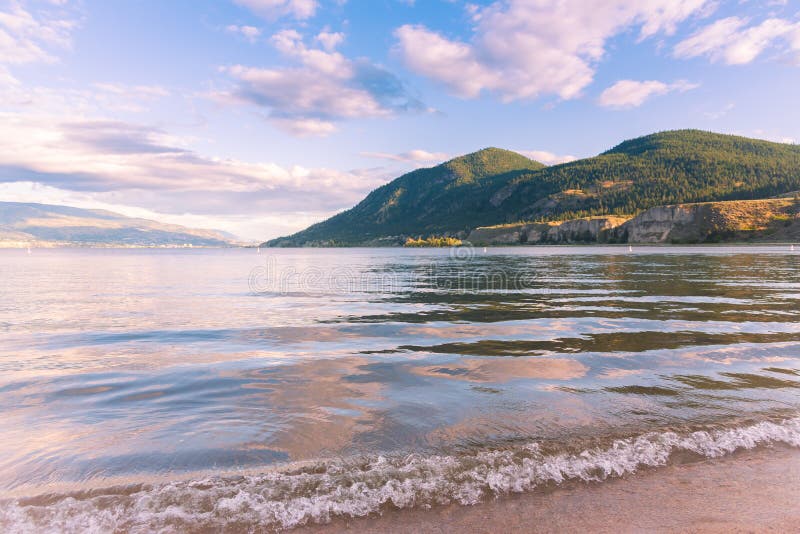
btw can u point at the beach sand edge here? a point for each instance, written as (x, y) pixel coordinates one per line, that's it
(748, 491)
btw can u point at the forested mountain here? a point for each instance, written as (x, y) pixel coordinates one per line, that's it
(29, 224)
(448, 198)
(495, 186)
(664, 168)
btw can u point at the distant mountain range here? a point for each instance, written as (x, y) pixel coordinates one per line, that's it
(494, 187)
(23, 224)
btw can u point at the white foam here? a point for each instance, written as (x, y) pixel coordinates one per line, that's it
(358, 487)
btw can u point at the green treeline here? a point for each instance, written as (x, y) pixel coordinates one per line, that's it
(432, 242)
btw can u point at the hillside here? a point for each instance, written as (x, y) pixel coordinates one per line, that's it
(665, 168)
(673, 167)
(23, 224)
(449, 198)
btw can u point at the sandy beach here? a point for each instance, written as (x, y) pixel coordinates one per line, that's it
(750, 491)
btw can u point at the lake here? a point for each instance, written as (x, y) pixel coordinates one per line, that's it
(201, 389)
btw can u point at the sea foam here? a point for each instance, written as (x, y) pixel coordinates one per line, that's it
(317, 492)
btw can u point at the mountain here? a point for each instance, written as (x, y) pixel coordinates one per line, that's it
(448, 198)
(23, 224)
(673, 167)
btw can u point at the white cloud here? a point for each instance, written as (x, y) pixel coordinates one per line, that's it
(132, 165)
(7, 79)
(102, 154)
(412, 156)
(330, 40)
(290, 43)
(66, 104)
(732, 41)
(769, 135)
(632, 93)
(296, 96)
(255, 227)
(28, 38)
(452, 63)
(134, 91)
(107, 97)
(321, 88)
(718, 114)
(273, 9)
(522, 49)
(548, 158)
(251, 33)
(305, 127)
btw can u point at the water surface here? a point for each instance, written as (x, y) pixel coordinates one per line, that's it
(214, 388)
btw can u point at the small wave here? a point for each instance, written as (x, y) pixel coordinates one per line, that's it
(317, 492)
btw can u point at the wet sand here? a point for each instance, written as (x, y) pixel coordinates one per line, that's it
(750, 491)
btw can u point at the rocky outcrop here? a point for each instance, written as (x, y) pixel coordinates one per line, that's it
(710, 222)
(508, 234)
(657, 224)
(587, 230)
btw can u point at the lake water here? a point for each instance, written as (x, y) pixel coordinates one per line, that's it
(200, 389)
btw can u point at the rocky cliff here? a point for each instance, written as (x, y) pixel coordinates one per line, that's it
(508, 234)
(711, 222)
(746, 220)
(586, 230)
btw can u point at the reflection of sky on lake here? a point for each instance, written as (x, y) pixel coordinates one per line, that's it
(131, 363)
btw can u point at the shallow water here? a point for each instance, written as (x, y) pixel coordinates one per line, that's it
(230, 388)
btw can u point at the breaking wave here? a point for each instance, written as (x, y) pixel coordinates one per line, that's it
(319, 491)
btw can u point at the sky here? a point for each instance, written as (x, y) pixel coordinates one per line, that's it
(260, 117)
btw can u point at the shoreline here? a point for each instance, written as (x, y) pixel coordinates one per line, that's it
(747, 491)
(723, 244)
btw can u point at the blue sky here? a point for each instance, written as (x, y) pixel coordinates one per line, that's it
(260, 117)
